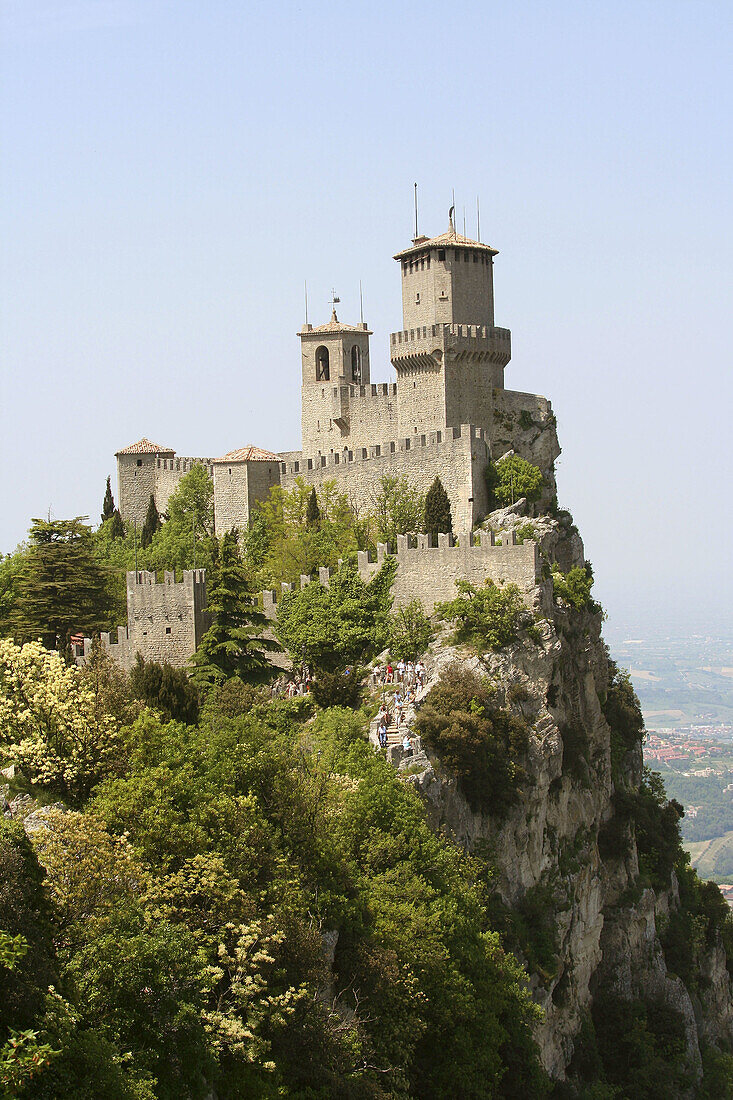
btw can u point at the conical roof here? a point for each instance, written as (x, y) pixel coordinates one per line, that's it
(145, 447)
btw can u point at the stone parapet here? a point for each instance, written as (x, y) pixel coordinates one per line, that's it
(306, 464)
(429, 573)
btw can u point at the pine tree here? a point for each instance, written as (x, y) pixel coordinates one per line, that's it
(312, 511)
(62, 588)
(117, 527)
(152, 523)
(108, 507)
(233, 646)
(437, 510)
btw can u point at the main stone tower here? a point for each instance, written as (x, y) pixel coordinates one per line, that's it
(449, 357)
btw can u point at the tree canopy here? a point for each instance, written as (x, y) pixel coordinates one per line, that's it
(62, 588)
(338, 625)
(438, 519)
(234, 645)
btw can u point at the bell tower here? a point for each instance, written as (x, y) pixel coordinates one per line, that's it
(335, 365)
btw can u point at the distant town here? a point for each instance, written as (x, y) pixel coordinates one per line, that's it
(685, 686)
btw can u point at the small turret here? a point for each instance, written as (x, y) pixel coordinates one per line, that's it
(335, 358)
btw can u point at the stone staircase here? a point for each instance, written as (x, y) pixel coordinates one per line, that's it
(396, 754)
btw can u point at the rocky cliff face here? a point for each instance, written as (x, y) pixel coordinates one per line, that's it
(568, 852)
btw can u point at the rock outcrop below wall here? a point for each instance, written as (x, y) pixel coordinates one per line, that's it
(607, 918)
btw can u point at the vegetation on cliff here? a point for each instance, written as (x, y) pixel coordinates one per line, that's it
(257, 904)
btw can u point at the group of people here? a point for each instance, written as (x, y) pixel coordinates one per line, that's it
(409, 677)
(411, 674)
(299, 684)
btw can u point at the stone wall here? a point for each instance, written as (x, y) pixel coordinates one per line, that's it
(139, 475)
(457, 455)
(429, 573)
(165, 622)
(238, 487)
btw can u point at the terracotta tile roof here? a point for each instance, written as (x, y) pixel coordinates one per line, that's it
(249, 454)
(145, 447)
(451, 239)
(334, 325)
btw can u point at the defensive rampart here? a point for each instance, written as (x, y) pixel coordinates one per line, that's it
(457, 455)
(429, 573)
(165, 622)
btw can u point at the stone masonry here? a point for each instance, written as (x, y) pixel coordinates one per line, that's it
(446, 414)
(165, 622)
(429, 573)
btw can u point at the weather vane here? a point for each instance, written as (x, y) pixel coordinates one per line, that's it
(334, 301)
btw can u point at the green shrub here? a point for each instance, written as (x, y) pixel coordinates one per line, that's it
(481, 744)
(642, 1047)
(339, 688)
(524, 532)
(525, 420)
(340, 625)
(513, 477)
(657, 824)
(165, 688)
(622, 711)
(489, 617)
(410, 631)
(575, 587)
(536, 928)
(703, 916)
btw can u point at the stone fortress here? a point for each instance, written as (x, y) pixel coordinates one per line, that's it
(447, 414)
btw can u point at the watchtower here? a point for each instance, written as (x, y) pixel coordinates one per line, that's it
(450, 356)
(335, 361)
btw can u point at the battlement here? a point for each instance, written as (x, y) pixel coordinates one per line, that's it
(165, 619)
(191, 578)
(382, 450)
(183, 465)
(457, 332)
(429, 572)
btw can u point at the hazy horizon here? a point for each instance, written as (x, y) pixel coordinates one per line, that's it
(172, 176)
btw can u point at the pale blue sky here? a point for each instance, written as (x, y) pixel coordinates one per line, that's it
(172, 172)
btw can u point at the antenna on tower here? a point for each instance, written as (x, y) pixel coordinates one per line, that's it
(416, 233)
(306, 302)
(464, 221)
(452, 211)
(361, 300)
(478, 222)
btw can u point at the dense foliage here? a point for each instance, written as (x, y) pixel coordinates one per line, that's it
(342, 624)
(438, 519)
(410, 631)
(61, 589)
(510, 478)
(575, 587)
(257, 905)
(166, 689)
(479, 742)
(398, 509)
(234, 645)
(489, 617)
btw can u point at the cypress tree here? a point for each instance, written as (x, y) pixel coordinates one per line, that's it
(151, 524)
(117, 527)
(233, 646)
(437, 510)
(108, 506)
(312, 511)
(62, 587)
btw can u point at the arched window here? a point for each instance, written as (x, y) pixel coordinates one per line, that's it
(356, 363)
(322, 370)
